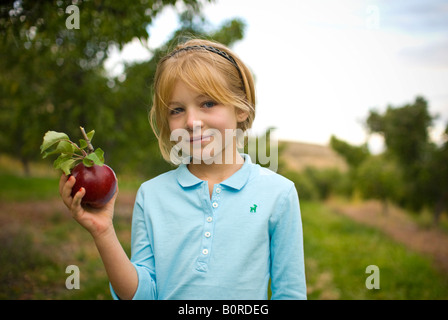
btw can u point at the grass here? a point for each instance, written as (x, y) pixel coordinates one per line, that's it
(21, 188)
(43, 183)
(338, 251)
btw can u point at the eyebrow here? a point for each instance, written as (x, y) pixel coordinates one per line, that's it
(174, 103)
(198, 97)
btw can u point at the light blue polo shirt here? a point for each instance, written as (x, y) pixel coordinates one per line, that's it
(186, 245)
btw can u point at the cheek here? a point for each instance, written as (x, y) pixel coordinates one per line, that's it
(223, 120)
(173, 124)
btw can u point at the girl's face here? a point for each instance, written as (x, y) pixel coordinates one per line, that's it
(206, 126)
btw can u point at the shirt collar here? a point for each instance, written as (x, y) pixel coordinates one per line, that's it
(236, 181)
(239, 178)
(185, 177)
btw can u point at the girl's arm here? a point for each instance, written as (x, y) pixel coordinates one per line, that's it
(121, 272)
(287, 256)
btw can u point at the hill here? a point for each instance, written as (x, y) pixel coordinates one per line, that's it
(299, 155)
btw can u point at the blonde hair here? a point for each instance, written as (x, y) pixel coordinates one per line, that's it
(206, 72)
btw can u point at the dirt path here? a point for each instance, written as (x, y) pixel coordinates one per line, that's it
(400, 227)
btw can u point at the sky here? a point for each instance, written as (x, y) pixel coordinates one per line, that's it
(321, 65)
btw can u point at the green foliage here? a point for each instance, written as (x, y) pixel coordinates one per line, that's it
(327, 181)
(423, 164)
(413, 171)
(380, 178)
(318, 184)
(305, 187)
(53, 77)
(70, 154)
(405, 130)
(354, 155)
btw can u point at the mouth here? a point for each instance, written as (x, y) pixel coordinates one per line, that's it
(200, 139)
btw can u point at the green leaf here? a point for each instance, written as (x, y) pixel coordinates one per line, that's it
(96, 157)
(88, 162)
(63, 157)
(50, 139)
(100, 154)
(63, 146)
(90, 135)
(68, 165)
(82, 143)
(65, 162)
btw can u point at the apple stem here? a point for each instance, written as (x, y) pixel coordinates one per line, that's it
(89, 144)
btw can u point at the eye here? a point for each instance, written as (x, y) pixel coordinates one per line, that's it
(209, 104)
(175, 111)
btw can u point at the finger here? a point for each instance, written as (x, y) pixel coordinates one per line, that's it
(66, 192)
(62, 181)
(76, 207)
(68, 186)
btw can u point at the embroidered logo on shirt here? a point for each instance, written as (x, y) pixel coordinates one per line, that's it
(253, 209)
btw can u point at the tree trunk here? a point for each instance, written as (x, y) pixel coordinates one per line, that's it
(438, 210)
(25, 166)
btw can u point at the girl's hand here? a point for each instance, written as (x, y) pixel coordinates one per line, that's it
(96, 221)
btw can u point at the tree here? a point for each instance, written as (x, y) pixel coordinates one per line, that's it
(374, 176)
(423, 164)
(438, 176)
(379, 178)
(53, 77)
(354, 155)
(405, 130)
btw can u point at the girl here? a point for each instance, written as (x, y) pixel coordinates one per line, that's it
(218, 226)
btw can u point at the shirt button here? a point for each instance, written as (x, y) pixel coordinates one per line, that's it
(205, 251)
(218, 190)
(208, 234)
(215, 204)
(209, 219)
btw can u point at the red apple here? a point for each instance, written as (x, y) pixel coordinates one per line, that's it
(83, 162)
(100, 183)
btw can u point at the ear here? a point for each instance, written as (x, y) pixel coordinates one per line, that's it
(241, 115)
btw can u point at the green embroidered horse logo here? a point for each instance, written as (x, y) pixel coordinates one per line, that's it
(253, 209)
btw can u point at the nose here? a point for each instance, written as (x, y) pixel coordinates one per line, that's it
(193, 119)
